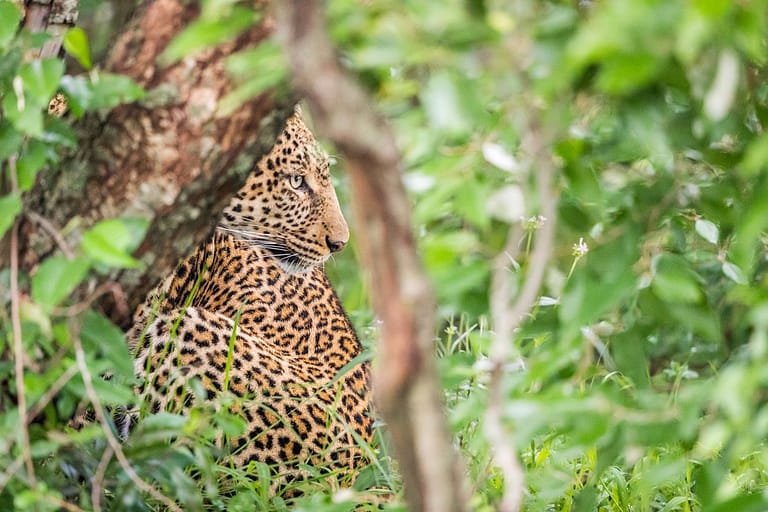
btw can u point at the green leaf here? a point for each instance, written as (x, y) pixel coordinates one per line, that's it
(109, 90)
(41, 79)
(624, 74)
(10, 207)
(231, 425)
(707, 230)
(31, 161)
(76, 44)
(601, 282)
(752, 223)
(113, 393)
(258, 69)
(79, 93)
(743, 503)
(675, 281)
(734, 273)
(9, 22)
(10, 139)
(693, 34)
(443, 105)
(100, 336)
(755, 156)
(56, 277)
(25, 118)
(104, 91)
(205, 33)
(699, 318)
(110, 242)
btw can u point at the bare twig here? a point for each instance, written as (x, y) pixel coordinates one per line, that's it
(507, 319)
(51, 392)
(11, 470)
(405, 382)
(112, 441)
(18, 348)
(97, 482)
(111, 287)
(48, 226)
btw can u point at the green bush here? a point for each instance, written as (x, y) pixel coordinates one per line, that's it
(638, 379)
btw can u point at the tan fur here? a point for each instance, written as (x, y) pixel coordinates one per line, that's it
(292, 337)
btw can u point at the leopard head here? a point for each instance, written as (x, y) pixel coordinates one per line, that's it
(288, 205)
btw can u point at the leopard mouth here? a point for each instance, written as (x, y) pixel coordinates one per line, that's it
(288, 258)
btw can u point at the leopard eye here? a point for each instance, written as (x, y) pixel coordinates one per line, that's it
(296, 180)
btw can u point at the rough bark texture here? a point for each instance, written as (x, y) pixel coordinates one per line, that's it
(170, 159)
(405, 381)
(52, 16)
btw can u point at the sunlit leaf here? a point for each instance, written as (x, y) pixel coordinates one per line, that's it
(10, 207)
(24, 117)
(734, 273)
(10, 139)
(707, 230)
(9, 22)
(101, 336)
(76, 44)
(111, 241)
(56, 277)
(442, 101)
(205, 33)
(256, 70)
(41, 79)
(30, 162)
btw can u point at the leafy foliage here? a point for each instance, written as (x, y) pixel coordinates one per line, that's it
(638, 377)
(641, 365)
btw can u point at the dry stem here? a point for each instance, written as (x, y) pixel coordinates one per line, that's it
(48, 226)
(507, 319)
(405, 381)
(18, 348)
(97, 482)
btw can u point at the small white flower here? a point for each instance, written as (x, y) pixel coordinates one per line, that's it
(533, 223)
(580, 249)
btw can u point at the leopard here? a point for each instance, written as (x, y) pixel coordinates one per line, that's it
(251, 313)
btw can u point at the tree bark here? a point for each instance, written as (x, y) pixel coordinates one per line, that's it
(170, 159)
(405, 381)
(52, 16)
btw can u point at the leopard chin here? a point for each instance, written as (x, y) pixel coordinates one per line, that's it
(297, 264)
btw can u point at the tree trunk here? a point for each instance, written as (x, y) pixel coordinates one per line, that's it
(405, 382)
(170, 159)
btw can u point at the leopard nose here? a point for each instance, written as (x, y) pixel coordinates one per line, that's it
(335, 245)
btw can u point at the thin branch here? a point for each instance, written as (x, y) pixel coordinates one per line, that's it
(11, 470)
(405, 383)
(507, 319)
(51, 392)
(113, 287)
(18, 347)
(97, 482)
(112, 441)
(48, 226)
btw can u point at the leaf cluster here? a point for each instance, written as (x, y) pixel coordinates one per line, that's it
(638, 377)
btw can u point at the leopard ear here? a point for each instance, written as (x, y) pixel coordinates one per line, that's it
(298, 112)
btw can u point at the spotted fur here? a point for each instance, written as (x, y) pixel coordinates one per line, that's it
(258, 283)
